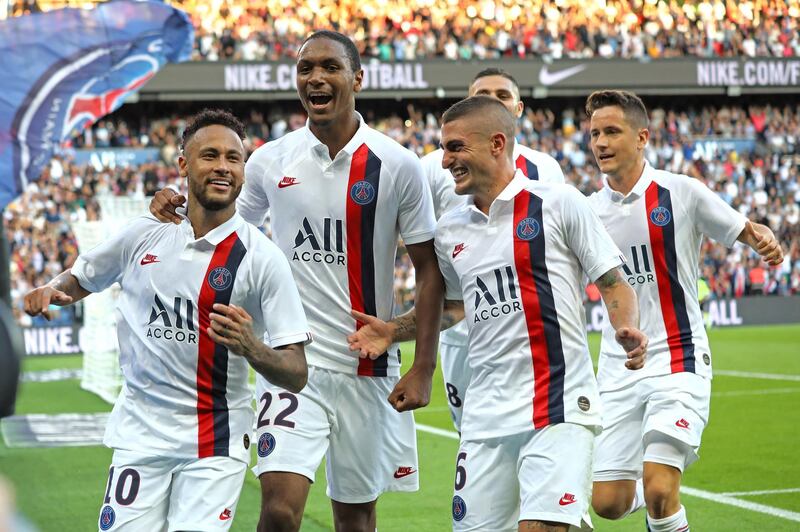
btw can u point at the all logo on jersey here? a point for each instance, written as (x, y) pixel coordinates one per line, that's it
(266, 444)
(173, 324)
(220, 278)
(528, 229)
(637, 266)
(496, 294)
(325, 246)
(107, 517)
(660, 216)
(362, 192)
(459, 508)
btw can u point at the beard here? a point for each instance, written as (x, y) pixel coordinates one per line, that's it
(200, 192)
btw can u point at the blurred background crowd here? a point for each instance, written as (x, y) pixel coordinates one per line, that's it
(762, 181)
(487, 29)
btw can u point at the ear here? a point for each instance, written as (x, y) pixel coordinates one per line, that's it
(643, 138)
(358, 79)
(499, 143)
(183, 166)
(519, 108)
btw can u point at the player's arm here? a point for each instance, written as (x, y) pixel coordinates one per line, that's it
(377, 335)
(62, 291)
(414, 388)
(623, 313)
(762, 240)
(283, 366)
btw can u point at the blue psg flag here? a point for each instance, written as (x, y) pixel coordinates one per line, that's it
(65, 69)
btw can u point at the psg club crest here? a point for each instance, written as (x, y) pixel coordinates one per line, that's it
(107, 517)
(266, 444)
(528, 229)
(220, 278)
(459, 508)
(362, 192)
(660, 216)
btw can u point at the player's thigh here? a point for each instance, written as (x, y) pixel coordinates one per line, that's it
(486, 490)
(137, 493)
(373, 448)
(677, 406)
(618, 448)
(456, 373)
(292, 429)
(555, 475)
(205, 493)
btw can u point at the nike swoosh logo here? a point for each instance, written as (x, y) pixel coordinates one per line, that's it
(284, 185)
(145, 262)
(401, 474)
(548, 78)
(564, 502)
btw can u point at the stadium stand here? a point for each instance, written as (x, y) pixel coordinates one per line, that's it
(476, 29)
(763, 182)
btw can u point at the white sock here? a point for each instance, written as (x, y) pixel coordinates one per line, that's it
(638, 499)
(674, 523)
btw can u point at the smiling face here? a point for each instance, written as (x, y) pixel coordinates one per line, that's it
(617, 144)
(500, 88)
(469, 153)
(326, 82)
(213, 163)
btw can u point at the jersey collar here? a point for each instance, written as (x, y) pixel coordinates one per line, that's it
(517, 184)
(638, 189)
(321, 150)
(216, 235)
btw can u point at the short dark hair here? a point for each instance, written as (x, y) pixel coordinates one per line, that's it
(631, 105)
(493, 111)
(344, 40)
(211, 117)
(494, 71)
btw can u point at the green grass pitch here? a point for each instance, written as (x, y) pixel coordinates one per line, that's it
(755, 422)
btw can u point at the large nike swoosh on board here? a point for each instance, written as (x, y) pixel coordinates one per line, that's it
(551, 78)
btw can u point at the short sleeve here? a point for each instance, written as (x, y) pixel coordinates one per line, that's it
(253, 203)
(415, 205)
(451, 281)
(713, 217)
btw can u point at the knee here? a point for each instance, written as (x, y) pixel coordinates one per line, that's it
(661, 495)
(610, 508)
(277, 516)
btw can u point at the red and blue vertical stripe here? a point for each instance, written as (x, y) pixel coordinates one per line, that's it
(528, 168)
(670, 292)
(360, 221)
(538, 303)
(212, 362)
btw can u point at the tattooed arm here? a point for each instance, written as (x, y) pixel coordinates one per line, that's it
(377, 335)
(62, 291)
(623, 313)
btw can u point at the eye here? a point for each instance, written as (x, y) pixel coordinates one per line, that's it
(332, 68)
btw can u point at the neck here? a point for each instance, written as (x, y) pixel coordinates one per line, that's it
(204, 220)
(336, 133)
(485, 195)
(624, 180)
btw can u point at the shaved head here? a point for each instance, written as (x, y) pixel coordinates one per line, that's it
(487, 115)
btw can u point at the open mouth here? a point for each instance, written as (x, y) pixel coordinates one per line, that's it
(319, 100)
(605, 157)
(458, 172)
(222, 185)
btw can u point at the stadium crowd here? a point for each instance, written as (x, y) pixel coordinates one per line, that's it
(482, 29)
(762, 181)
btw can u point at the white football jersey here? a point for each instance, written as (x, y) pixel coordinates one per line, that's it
(337, 221)
(659, 226)
(184, 396)
(534, 164)
(519, 272)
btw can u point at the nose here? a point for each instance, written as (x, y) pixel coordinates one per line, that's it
(600, 141)
(447, 159)
(315, 76)
(222, 165)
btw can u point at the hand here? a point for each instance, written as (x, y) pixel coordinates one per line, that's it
(634, 342)
(164, 203)
(763, 241)
(412, 391)
(373, 338)
(39, 300)
(232, 327)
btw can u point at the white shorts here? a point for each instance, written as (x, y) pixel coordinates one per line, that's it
(544, 475)
(164, 494)
(674, 405)
(456, 372)
(370, 447)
